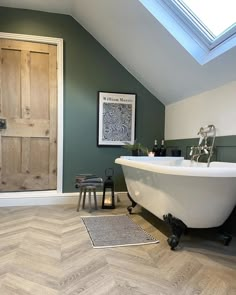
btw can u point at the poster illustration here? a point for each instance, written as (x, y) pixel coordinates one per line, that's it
(116, 118)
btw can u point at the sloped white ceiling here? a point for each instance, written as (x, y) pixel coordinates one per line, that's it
(142, 45)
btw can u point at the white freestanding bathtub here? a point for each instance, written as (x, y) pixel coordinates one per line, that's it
(200, 196)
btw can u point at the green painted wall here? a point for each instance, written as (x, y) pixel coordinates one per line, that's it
(88, 68)
(225, 147)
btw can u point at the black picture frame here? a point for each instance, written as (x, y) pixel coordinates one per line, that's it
(116, 118)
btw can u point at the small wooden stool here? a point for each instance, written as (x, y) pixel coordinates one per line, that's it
(83, 190)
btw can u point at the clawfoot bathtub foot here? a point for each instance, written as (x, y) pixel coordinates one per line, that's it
(173, 242)
(226, 237)
(129, 208)
(227, 228)
(177, 227)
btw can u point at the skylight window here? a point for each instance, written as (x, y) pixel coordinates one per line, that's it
(218, 16)
(213, 21)
(205, 28)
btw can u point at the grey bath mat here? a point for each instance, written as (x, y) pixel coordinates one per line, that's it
(115, 231)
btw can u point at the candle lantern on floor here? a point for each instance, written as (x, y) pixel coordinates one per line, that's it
(108, 200)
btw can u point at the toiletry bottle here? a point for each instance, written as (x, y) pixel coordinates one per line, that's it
(162, 149)
(155, 149)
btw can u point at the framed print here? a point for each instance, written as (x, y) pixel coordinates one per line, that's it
(116, 118)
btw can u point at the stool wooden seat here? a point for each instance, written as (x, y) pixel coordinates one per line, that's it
(84, 189)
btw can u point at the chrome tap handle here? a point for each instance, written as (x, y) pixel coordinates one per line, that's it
(200, 139)
(205, 149)
(191, 151)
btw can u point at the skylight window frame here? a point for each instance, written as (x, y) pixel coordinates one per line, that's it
(197, 27)
(201, 45)
(226, 35)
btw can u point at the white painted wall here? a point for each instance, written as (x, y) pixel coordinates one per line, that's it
(218, 106)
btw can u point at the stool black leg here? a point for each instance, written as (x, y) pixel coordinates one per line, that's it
(95, 199)
(90, 209)
(80, 196)
(84, 190)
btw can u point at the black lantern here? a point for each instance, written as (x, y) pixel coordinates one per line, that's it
(108, 201)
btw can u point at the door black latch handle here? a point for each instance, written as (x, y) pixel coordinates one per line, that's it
(3, 124)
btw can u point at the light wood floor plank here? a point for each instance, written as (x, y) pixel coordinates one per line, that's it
(47, 250)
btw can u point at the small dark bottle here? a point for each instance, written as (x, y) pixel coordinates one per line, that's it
(155, 149)
(162, 149)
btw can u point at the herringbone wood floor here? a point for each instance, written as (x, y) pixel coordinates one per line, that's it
(46, 250)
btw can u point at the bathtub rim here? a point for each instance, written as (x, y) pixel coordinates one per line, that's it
(212, 171)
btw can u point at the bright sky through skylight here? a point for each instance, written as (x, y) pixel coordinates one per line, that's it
(217, 15)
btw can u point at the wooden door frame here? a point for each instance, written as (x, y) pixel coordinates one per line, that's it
(60, 99)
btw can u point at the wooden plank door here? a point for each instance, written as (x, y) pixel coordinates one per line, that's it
(28, 108)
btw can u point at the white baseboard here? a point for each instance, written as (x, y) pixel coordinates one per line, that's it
(43, 198)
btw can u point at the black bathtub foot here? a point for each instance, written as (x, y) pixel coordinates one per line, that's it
(129, 208)
(225, 231)
(226, 237)
(177, 227)
(173, 242)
